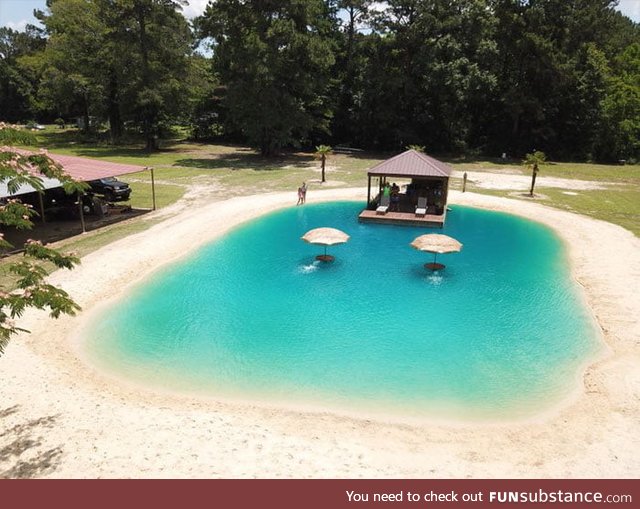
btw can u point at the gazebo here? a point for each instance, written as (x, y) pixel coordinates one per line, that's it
(419, 199)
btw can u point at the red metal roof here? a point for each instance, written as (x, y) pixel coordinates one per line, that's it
(412, 164)
(78, 168)
(83, 169)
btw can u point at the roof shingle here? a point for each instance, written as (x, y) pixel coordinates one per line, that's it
(412, 164)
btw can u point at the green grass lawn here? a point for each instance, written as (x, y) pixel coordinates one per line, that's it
(581, 171)
(620, 206)
(181, 166)
(166, 194)
(238, 170)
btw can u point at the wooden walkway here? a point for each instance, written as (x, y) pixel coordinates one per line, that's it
(406, 218)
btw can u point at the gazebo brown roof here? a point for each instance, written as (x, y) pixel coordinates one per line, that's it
(411, 164)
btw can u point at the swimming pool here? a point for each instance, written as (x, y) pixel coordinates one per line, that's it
(502, 332)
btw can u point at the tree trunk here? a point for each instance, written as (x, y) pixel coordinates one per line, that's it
(85, 113)
(515, 125)
(148, 115)
(115, 119)
(144, 52)
(264, 147)
(267, 146)
(324, 158)
(534, 174)
(151, 143)
(350, 36)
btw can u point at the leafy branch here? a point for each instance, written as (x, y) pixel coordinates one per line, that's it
(17, 169)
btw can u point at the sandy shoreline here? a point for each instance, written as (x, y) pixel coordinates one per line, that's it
(61, 418)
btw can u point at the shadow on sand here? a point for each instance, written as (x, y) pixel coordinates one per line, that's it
(22, 455)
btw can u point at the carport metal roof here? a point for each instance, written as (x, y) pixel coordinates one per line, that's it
(78, 168)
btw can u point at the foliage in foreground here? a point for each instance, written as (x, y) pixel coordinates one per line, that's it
(31, 289)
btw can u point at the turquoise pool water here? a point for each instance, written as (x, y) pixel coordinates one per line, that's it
(501, 332)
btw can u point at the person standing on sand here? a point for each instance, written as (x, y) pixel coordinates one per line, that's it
(300, 195)
(304, 192)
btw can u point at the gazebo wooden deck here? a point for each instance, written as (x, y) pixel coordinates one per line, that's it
(406, 218)
(429, 184)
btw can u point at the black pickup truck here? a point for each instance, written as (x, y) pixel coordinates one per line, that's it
(111, 188)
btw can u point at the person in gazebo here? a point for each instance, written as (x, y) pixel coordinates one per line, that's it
(395, 198)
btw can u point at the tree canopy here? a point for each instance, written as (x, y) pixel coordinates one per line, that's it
(487, 76)
(125, 60)
(274, 59)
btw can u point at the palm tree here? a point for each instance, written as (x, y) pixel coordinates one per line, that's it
(322, 151)
(532, 161)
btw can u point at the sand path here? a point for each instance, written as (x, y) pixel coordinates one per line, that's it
(504, 180)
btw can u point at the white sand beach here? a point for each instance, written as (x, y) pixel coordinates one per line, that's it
(60, 417)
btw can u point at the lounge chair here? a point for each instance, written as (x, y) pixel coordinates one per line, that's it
(421, 209)
(383, 206)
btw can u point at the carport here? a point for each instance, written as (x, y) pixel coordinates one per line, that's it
(81, 169)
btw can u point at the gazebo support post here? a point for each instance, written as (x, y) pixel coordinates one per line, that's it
(369, 191)
(41, 203)
(153, 188)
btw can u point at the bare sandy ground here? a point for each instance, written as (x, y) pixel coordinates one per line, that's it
(505, 180)
(60, 417)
